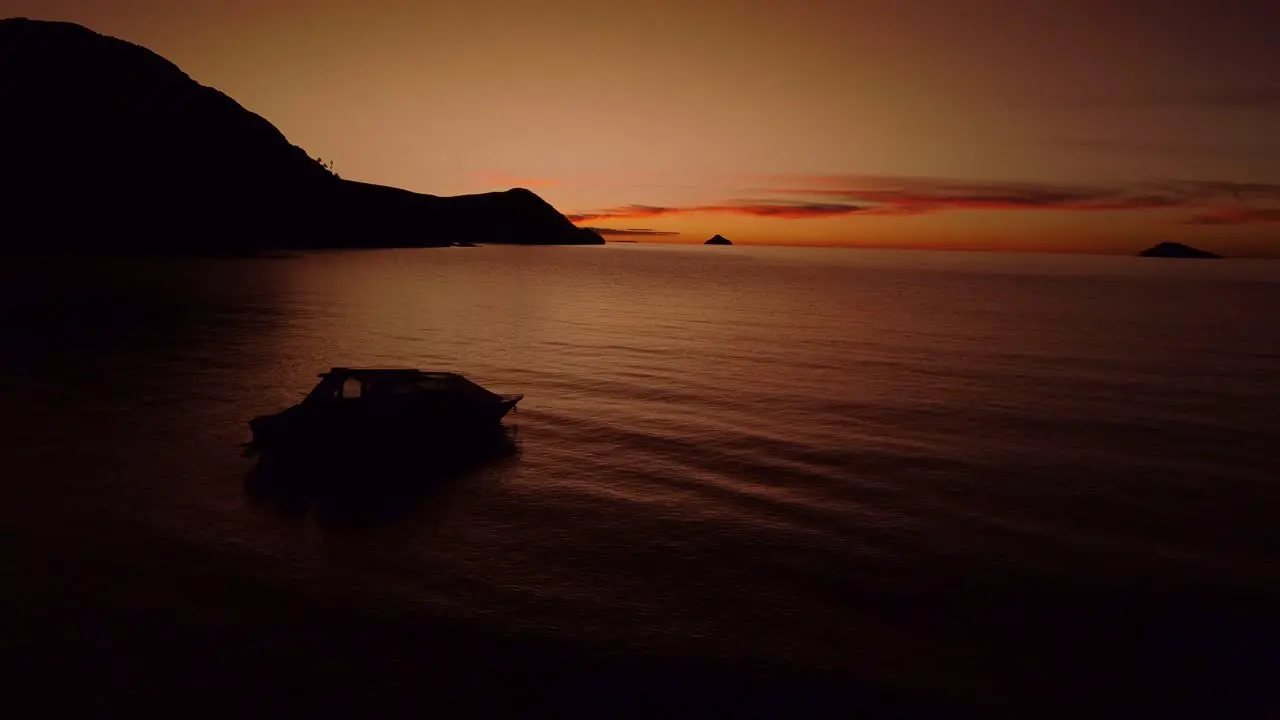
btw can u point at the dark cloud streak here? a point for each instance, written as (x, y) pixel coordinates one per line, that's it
(793, 210)
(1217, 202)
(1237, 216)
(632, 231)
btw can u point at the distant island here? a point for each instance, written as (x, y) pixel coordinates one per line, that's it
(1178, 250)
(718, 240)
(110, 148)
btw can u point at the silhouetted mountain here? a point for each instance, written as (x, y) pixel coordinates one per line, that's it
(109, 147)
(718, 240)
(396, 217)
(1178, 250)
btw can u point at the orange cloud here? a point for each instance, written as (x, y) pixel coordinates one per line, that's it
(917, 196)
(784, 210)
(632, 231)
(933, 187)
(820, 196)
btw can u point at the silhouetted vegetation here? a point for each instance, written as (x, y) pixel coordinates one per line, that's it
(328, 166)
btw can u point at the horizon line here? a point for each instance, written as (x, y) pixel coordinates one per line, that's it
(1019, 249)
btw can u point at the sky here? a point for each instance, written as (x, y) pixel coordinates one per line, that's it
(1056, 125)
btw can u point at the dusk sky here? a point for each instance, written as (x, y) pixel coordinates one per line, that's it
(1083, 125)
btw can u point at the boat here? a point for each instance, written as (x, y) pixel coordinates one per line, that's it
(368, 409)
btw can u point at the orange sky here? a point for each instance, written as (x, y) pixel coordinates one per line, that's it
(1072, 125)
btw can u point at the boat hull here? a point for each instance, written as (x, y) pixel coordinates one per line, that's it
(342, 431)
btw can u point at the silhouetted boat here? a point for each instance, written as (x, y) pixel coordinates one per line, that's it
(368, 409)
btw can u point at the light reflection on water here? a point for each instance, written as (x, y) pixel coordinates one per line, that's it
(805, 432)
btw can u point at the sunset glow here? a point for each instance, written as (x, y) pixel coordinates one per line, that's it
(1085, 126)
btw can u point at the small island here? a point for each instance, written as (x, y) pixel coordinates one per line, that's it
(1178, 250)
(718, 240)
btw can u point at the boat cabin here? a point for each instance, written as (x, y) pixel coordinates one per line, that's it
(360, 384)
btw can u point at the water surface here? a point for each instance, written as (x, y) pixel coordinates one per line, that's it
(966, 475)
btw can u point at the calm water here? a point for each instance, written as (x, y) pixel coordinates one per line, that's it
(920, 468)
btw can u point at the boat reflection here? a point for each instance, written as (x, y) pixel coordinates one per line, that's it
(360, 485)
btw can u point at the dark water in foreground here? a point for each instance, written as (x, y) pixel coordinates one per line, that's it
(746, 476)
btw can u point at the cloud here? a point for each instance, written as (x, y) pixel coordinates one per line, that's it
(918, 196)
(1219, 189)
(792, 210)
(1237, 216)
(823, 196)
(788, 210)
(626, 212)
(631, 231)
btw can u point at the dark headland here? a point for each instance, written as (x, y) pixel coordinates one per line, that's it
(108, 147)
(718, 240)
(1178, 250)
